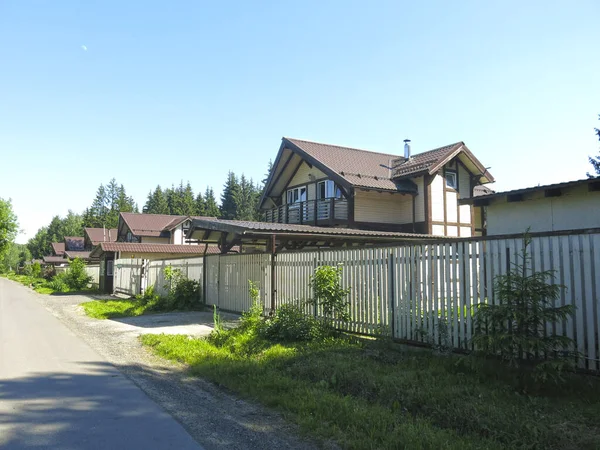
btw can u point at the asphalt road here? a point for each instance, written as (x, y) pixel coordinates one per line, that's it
(56, 392)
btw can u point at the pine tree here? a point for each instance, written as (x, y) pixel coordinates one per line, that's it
(230, 198)
(200, 205)
(110, 200)
(188, 202)
(157, 202)
(211, 209)
(246, 200)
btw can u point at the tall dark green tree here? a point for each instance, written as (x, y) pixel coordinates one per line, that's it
(157, 202)
(200, 205)
(188, 202)
(247, 200)
(595, 160)
(230, 197)
(110, 200)
(41, 244)
(211, 209)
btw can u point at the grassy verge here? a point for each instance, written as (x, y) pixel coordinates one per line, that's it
(109, 309)
(43, 286)
(367, 395)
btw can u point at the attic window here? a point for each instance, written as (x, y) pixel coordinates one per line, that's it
(451, 179)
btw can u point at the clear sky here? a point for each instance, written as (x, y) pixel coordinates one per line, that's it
(155, 92)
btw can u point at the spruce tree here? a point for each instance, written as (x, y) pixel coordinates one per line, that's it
(200, 205)
(187, 200)
(211, 209)
(230, 198)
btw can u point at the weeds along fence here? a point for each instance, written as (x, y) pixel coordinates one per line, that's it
(192, 268)
(423, 293)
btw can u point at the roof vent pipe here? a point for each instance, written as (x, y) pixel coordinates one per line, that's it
(406, 148)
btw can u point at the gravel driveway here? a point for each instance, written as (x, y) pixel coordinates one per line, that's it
(214, 418)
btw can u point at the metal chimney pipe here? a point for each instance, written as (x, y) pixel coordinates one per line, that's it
(407, 148)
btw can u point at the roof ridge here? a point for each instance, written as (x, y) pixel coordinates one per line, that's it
(341, 146)
(371, 151)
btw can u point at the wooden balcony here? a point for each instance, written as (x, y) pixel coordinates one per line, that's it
(328, 212)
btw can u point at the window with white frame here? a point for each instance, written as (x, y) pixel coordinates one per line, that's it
(451, 179)
(296, 195)
(328, 189)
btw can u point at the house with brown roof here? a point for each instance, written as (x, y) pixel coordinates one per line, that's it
(154, 228)
(329, 185)
(94, 236)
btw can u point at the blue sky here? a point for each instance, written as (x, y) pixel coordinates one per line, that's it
(157, 92)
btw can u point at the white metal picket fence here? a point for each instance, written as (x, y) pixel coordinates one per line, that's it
(227, 278)
(192, 268)
(412, 292)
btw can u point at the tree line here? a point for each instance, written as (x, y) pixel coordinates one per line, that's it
(238, 201)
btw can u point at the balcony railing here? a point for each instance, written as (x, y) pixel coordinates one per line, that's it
(331, 211)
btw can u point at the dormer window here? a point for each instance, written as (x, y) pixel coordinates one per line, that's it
(186, 228)
(451, 179)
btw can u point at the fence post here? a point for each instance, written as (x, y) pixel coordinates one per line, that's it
(391, 283)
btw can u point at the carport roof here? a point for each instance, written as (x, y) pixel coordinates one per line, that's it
(236, 232)
(147, 248)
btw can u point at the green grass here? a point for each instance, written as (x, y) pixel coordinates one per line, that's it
(41, 285)
(372, 396)
(110, 309)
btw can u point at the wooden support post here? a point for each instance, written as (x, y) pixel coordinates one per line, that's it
(331, 210)
(273, 278)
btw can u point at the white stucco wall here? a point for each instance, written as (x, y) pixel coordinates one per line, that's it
(577, 208)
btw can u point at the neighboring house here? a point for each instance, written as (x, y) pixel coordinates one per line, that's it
(58, 249)
(329, 185)
(573, 205)
(94, 236)
(109, 252)
(56, 261)
(154, 228)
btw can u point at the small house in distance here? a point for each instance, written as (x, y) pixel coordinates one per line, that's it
(333, 186)
(573, 205)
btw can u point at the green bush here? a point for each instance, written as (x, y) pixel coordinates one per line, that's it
(58, 283)
(183, 292)
(48, 272)
(329, 295)
(291, 324)
(76, 277)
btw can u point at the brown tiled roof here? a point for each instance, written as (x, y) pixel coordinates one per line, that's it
(74, 243)
(54, 259)
(77, 254)
(58, 248)
(359, 167)
(152, 224)
(242, 227)
(133, 247)
(422, 162)
(363, 168)
(97, 235)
